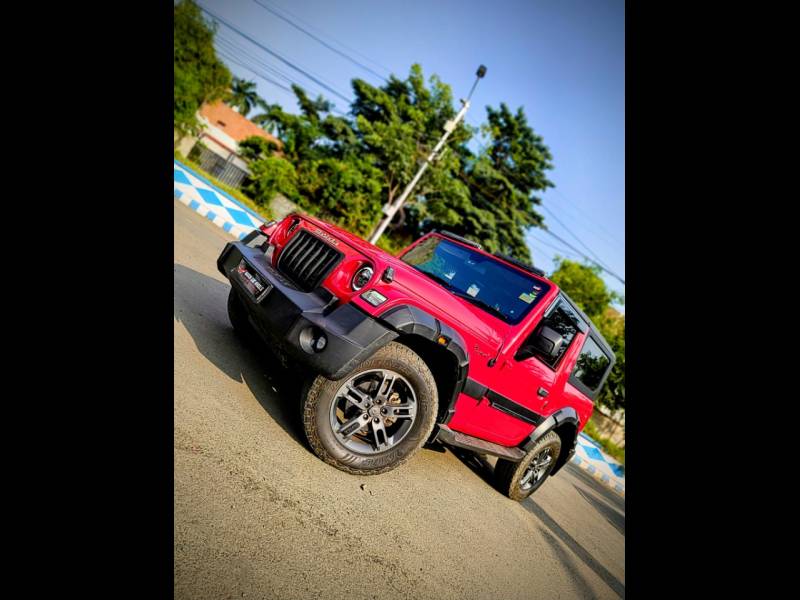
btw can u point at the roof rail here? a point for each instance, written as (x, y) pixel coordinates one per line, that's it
(522, 265)
(458, 238)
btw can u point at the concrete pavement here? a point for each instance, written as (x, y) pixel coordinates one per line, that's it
(257, 515)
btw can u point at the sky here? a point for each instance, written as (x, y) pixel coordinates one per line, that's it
(563, 61)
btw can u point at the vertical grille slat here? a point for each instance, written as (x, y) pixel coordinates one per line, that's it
(324, 264)
(309, 263)
(307, 260)
(298, 253)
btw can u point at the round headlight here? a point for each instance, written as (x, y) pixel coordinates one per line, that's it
(362, 277)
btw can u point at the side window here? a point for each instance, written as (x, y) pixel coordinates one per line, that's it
(563, 319)
(591, 366)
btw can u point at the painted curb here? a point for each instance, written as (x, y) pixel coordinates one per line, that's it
(602, 467)
(198, 193)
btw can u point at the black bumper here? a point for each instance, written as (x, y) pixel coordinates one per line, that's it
(285, 313)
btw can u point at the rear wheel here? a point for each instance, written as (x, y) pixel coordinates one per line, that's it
(520, 480)
(375, 418)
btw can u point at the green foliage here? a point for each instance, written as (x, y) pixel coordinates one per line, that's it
(585, 286)
(243, 96)
(199, 76)
(504, 179)
(346, 192)
(271, 176)
(256, 147)
(496, 202)
(349, 167)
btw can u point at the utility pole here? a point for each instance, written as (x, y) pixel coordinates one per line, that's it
(390, 210)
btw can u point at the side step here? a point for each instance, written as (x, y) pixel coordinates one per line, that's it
(462, 440)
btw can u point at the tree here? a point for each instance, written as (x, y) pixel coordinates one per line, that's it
(503, 180)
(348, 167)
(396, 126)
(270, 176)
(256, 147)
(199, 76)
(584, 285)
(243, 96)
(587, 289)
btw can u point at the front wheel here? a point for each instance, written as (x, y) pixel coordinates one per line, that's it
(377, 417)
(520, 480)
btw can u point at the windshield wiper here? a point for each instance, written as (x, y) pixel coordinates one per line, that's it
(481, 304)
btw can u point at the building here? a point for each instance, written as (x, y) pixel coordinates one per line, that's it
(218, 154)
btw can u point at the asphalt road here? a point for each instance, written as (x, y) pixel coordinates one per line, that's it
(257, 515)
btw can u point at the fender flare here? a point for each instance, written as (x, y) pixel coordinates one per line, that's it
(563, 416)
(411, 320)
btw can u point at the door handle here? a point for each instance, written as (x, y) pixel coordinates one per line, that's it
(543, 392)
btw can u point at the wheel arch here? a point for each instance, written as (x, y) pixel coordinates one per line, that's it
(565, 422)
(448, 361)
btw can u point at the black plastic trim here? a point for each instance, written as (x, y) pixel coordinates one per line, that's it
(412, 320)
(473, 389)
(476, 390)
(284, 313)
(566, 415)
(508, 406)
(458, 238)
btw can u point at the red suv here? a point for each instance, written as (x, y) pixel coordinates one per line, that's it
(443, 342)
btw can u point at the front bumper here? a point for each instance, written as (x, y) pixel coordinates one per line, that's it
(285, 315)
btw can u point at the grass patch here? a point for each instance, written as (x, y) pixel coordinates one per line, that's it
(248, 202)
(610, 447)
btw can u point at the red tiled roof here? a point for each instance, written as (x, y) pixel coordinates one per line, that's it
(231, 122)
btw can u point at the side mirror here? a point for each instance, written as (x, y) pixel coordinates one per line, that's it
(547, 343)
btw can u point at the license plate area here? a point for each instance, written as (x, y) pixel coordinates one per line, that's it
(252, 281)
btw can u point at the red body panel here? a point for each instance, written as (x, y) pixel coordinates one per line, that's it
(486, 336)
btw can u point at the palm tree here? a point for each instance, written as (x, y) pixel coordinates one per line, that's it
(243, 96)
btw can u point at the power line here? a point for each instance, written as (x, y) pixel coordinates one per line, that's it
(241, 51)
(557, 249)
(278, 56)
(324, 43)
(339, 42)
(588, 219)
(568, 230)
(227, 56)
(223, 53)
(568, 245)
(598, 261)
(238, 52)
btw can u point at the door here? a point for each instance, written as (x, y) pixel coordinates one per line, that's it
(524, 390)
(530, 387)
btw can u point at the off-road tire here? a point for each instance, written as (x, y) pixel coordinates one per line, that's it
(508, 474)
(321, 394)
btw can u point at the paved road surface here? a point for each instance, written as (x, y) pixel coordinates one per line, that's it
(257, 515)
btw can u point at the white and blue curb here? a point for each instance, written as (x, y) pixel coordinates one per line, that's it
(219, 207)
(590, 457)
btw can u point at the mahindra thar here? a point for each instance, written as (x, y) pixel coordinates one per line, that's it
(443, 342)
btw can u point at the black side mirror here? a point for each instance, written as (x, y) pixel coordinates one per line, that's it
(547, 343)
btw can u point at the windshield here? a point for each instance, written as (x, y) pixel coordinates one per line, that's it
(499, 289)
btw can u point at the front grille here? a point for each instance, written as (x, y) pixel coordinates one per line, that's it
(307, 260)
